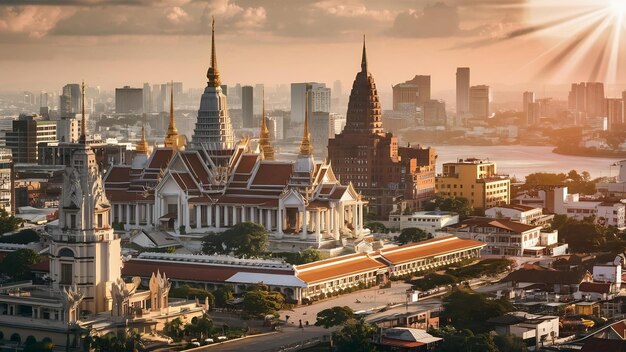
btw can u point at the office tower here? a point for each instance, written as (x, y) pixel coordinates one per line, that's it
(70, 100)
(6, 181)
(225, 89)
(178, 90)
(319, 98)
(462, 90)
(213, 131)
(388, 176)
(594, 99)
(480, 101)
(247, 106)
(614, 113)
(275, 124)
(258, 100)
(165, 93)
(527, 99)
(44, 99)
(533, 112)
(128, 100)
(320, 125)
(435, 113)
(26, 134)
(411, 94)
(68, 130)
(337, 94)
(147, 98)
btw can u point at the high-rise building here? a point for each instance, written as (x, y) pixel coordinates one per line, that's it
(388, 176)
(480, 101)
(26, 134)
(259, 88)
(128, 100)
(614, 113)
(435, 113)
(321, 131)
(624, 103)
(411, 94)
(247, 106)
(69, 101)
(462, 90)
(527, 99)
(68, 130)
(147, 98)
(594, 99)
(337, 94)
(533, 112)
(319, 99)
(214, 131)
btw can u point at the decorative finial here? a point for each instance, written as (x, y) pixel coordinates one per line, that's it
(83, 124)
(142, 146)
(364, 58)
(213, 74)
(264, 140)
(305, 146)
(171, 139)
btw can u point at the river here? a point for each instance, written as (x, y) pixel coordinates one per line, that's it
(519, 161)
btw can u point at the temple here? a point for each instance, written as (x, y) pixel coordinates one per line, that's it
(391, 178)
(216, 183)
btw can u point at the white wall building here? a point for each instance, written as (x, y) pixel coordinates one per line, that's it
(521, 213)
(429, 221)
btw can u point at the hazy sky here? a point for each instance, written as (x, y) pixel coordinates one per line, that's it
(46, 43)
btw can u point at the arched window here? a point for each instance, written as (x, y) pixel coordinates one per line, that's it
(66, 252)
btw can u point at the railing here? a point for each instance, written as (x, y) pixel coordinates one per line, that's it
(74, 236)
(297, 346)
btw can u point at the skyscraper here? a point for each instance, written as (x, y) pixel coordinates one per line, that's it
(388, 176)
(214, 131)
(528, 98)
(480, 101)
(462, 90)
(411, 94)
(247, 106)
(70, 100)
(128, 100)
(594, 99)
(319, 98)
(435, 113)
(614, 113)
(147, 98)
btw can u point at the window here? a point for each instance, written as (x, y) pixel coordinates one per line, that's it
(66, 274)
(99, 221)
(73, 221)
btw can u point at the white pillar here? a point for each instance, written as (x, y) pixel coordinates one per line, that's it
(327, 225)
(187, 215)
(279, 220)
(243, 214)
(318, 224)
(127, 214)
(218, 216)
(111, 215)
(304, 219)
(335, 222)
(268, 226)
(198, 216)
(136, 214)
(119, 213)
(209, 215)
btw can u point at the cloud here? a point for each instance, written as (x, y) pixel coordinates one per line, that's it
(34, 21)
(437, 20)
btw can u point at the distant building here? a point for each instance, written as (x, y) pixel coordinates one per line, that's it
(68, 130)
(533, 329)
(411, 94)
(530, 111)
(435, 113)
(247, 106)
(615, 189)
(27, 132)
(520, 213)
(480, 101)
(614, 113)
(462, 90)
(477, 180)
(316, 95)
(429, 221)
(406, 339)
(321, 131)
(587, 99)
(147, 98)
(276, 127)
(69, 100)
(128, 100)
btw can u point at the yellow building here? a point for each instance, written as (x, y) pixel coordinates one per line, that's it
(476, 180)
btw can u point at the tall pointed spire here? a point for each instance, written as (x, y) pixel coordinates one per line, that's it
(83, 124)
(306, 148)
(364, 57)
(264, 140)
(142, 146)
(172, 138)
(213, 74)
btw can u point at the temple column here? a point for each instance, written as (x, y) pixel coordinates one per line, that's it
(335, 221)
(218, 216)
(127, 214)
(268, 227)
(304, 229)
(198, 216)
(318, 220)
(327, 225)
(119, 213)
(209, 215)
(234, 218)
(243, 214)
(112, 214)
(137, 214)
(279, 220)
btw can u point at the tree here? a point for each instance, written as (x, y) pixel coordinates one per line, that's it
(17, 264)
(334, 316)
(412, 234)
(222, 295)
(510, 343)
(189, 292)
(260, 303)
(8, 222)
(355, 337)
(459, 205)
(122, 342)
(308, 255)
(23, 237)
(464, 340)
(245, 239)
(174, 329)
(376, 227)
(470, 310)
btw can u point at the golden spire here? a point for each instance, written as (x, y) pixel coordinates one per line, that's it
(264, 140)
(142, 146)
(305, 146)
(364, 58)
(213, 74)
(83, 124)
(171, 139)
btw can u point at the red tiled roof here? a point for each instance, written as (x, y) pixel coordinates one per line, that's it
(595, 287)
(620, 328)
(401, 343)
(504, 224)
(338, 193)
(190, 271)
(118, 173)
(273, 174)
(246, 163)
(160, 158)
(196, 166)
(267, 202)
(126, 196)
(342, 266)
(184, 180)
(433, 247)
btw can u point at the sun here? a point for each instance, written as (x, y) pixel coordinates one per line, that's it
(618, 6)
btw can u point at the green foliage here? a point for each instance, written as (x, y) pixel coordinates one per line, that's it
(487, 267)
(222, 295)
(308, 255)
(8, 222)
(189, 292)
(17, 264)
(355, 337)
(581, 235)
(470, 310)
(259, 303)
(465, 340)
(122, 342)
(433, 280)
(30, 340)
(510, 343)
(245, 239)
(376, 227)
(23, 237)
(575, 182)
(334, 316)
(459, 205)
(43, 346)
(199, 328)
(174, 329)
(412, 234)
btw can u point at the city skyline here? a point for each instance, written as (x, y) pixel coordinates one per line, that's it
(505, 42)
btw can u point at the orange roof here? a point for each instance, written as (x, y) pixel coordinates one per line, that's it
(620, 328)
(118, 173)
(429, 248)
(333, 268)
(268, 202)
(126, 196)
(338, 193)
(401, 343)
(160, 158)
(184, 180)
(273, 174)
(503, 224)
(195, 165)
(246, 163)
